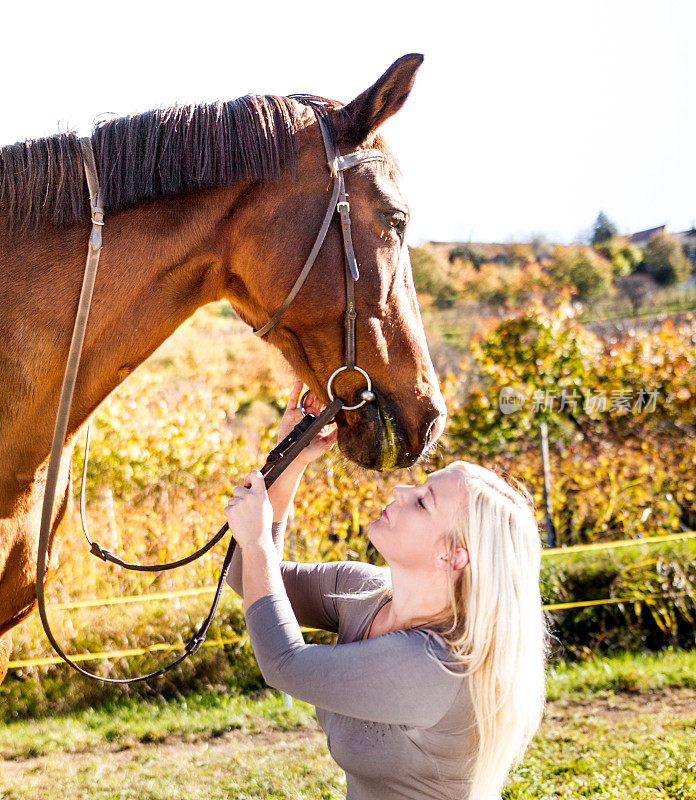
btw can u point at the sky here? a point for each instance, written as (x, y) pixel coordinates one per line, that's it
(527, 116)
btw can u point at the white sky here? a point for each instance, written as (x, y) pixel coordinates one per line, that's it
(527, 115)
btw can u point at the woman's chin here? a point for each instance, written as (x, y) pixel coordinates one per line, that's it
(373, 531)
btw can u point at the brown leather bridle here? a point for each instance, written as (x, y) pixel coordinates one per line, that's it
(279, 458)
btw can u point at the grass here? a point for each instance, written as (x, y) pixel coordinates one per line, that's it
(624, 672)
(137, 721)
(616, 727)
(628, 750)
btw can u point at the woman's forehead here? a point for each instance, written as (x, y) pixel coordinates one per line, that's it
(449, 479)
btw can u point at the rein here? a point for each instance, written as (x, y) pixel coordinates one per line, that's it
(278, 459)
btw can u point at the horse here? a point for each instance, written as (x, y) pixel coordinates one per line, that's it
(203, 203)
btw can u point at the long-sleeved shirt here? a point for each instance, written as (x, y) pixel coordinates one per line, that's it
(397, 719)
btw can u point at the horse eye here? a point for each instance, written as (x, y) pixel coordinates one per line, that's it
(396, 220)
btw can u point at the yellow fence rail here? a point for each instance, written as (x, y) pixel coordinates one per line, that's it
(165, 648)
(582, 548)
(108, 654)
(110, 601)
(146, 598)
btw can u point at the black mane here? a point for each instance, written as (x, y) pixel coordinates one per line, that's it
(145, 156)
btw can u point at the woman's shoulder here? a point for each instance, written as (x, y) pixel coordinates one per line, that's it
(359, 577)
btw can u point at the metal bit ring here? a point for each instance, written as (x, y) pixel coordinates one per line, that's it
(368, 390)
(302, 399)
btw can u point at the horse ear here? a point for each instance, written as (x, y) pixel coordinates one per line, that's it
(362, 116)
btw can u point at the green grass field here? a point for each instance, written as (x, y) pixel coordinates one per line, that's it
(615, 727)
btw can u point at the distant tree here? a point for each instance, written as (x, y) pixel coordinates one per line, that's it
(623, 255)
(637, 288)
(590, 273)
(665, 261)
(602, 230)
(467, 253)
(520, 254)
(541, 246)
(431, 275)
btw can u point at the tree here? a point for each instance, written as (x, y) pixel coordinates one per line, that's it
(583, 268)
(636, 288)
(665, 261)
(623, 255)
(603, 229)
(431, 275)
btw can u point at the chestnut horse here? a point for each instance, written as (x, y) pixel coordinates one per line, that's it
(202, 203)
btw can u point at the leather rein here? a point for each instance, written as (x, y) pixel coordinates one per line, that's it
(278, 459)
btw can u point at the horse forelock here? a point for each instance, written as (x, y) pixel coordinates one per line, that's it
(145, 156)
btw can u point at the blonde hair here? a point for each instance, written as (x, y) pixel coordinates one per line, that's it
(496, 626)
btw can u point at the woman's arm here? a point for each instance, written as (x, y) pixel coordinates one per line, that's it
(282, 492)
(393, 678)
(250, 517)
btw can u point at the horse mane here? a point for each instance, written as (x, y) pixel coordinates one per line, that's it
(156, 154)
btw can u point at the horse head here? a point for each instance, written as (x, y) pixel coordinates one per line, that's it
(275, 225)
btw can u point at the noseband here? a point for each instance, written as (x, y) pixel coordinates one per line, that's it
(279, 458)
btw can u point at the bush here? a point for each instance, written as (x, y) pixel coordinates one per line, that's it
(619, 415)
(665, 261)
(467, 253)
(590, 273)
(656, 585)
(431, 275)
(623, 255)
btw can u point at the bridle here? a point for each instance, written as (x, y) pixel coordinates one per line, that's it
(279, 458)
(338, 164)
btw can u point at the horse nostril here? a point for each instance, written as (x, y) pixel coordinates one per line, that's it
(435, 429)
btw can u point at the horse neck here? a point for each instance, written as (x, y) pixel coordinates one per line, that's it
(161, 261)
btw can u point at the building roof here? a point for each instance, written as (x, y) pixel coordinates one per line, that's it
(644, 236)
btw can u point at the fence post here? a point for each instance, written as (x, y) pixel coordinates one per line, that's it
(291, 550)
(550, 530)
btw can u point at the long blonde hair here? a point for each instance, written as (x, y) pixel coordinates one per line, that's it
(496, 626)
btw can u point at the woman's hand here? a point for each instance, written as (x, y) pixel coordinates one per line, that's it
(323, 441)
(249, 512)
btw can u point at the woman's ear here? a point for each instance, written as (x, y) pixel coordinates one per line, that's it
(457, 560)
(362, 116)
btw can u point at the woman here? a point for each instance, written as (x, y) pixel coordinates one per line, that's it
(436, 684)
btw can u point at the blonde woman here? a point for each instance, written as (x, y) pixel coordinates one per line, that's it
(436, 685)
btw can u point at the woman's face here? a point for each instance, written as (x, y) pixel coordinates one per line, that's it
(411, 531)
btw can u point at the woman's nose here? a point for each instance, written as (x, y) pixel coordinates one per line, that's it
(398, 493)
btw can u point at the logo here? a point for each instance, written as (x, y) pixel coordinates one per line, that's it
(510, 400)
